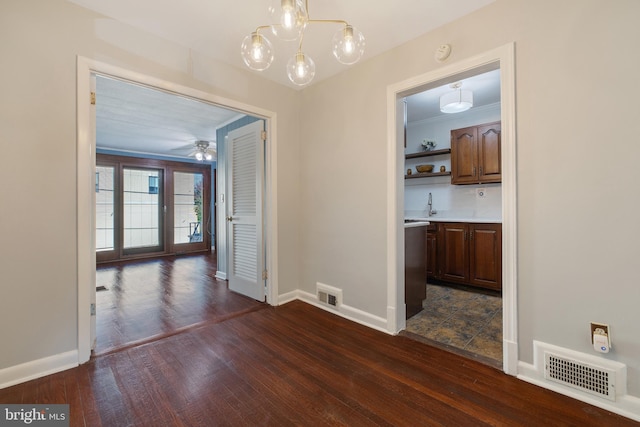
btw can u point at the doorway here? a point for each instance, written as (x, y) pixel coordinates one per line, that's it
(86, 185)
(502, 58)
(462, 307)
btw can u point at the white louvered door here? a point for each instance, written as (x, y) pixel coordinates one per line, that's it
(246, 171)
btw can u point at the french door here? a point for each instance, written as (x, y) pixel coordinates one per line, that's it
(151, 207)
(142, 211)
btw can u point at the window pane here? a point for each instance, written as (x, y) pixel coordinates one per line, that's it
(188, 207)
(104, 208)
(141, 208)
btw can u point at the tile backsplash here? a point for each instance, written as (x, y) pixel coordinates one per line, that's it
(460, 201)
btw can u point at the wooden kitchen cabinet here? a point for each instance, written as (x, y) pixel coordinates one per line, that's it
(431, 251)
(485, 255)
(475, 154)
(454, 252)
(414, 269)
(466, 253)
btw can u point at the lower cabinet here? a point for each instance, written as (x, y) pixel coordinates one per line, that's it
(465, 253)
(415, 288)
(431, 250)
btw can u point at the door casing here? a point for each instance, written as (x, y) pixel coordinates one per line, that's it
(503, 58)
(86, 160)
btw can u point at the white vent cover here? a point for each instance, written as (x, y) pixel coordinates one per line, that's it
(596, 380)
(328, 295)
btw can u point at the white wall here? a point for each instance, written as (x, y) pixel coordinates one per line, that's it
(576, 62)
(457, 201)
(39, 41)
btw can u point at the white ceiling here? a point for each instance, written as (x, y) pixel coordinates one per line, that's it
(425, 105)
(216, 28)
(138, 119)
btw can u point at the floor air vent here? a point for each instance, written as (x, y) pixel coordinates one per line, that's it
(582, 376)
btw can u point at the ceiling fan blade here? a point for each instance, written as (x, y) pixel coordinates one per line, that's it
(184, 147)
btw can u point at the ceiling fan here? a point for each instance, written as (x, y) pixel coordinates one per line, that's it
(202, 150)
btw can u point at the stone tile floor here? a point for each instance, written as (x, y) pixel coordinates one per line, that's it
(463, 321)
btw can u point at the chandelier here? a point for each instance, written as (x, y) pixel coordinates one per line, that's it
(290, 19)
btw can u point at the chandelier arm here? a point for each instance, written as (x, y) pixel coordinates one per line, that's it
(327, 21)
(262, 27)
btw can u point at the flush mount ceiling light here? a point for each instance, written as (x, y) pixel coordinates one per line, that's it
(457, 101)
(289, 22)
(202, 151)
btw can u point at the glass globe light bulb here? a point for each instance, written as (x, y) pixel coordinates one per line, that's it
(301, 69)
(288, 18)
(208, 156)
(257, 52)
(199, 156)
(348, 45)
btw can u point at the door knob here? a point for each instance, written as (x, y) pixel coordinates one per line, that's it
(230, 218)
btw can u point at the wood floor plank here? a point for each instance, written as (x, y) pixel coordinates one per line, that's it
(298, 365)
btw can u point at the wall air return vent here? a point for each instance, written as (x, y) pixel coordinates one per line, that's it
(328, 295)
(589, 378)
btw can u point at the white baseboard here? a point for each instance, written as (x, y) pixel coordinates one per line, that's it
(38, 368)
(510, 357)
(221, 275)
(346, 311)
(627, 406)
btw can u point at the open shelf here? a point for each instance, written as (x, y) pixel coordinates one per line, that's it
(427, 153)
(427, 175)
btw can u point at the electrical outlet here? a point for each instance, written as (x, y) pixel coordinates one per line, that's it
(481, 193)
(602, 326)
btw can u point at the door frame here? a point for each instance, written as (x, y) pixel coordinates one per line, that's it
(503, 58)
(85, 185)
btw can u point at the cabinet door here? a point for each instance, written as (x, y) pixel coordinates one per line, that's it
(485, 255)
(432, 252)
(452, 246)
(415, 281)
(464, 156)
(489, 155)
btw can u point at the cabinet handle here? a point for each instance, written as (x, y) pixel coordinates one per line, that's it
(480, 170)
(465, 236)
(474, 171)
(471, 235)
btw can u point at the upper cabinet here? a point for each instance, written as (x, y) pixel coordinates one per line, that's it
(475, 154)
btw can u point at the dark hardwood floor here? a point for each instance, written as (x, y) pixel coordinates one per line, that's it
(297, 365)
(150, 299)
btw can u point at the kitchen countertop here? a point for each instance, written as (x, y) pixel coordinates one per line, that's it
(468, 215)
(437, 218)
(415, 223)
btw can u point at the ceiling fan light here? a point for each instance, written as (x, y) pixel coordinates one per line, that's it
(348, 45)
(456, 101)
(257, 51)
(208, 156)
(199, 156)
(301, 69)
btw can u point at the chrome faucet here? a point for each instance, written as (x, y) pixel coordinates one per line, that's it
(430, 203)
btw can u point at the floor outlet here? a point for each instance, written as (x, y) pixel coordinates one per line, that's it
(481, 193)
